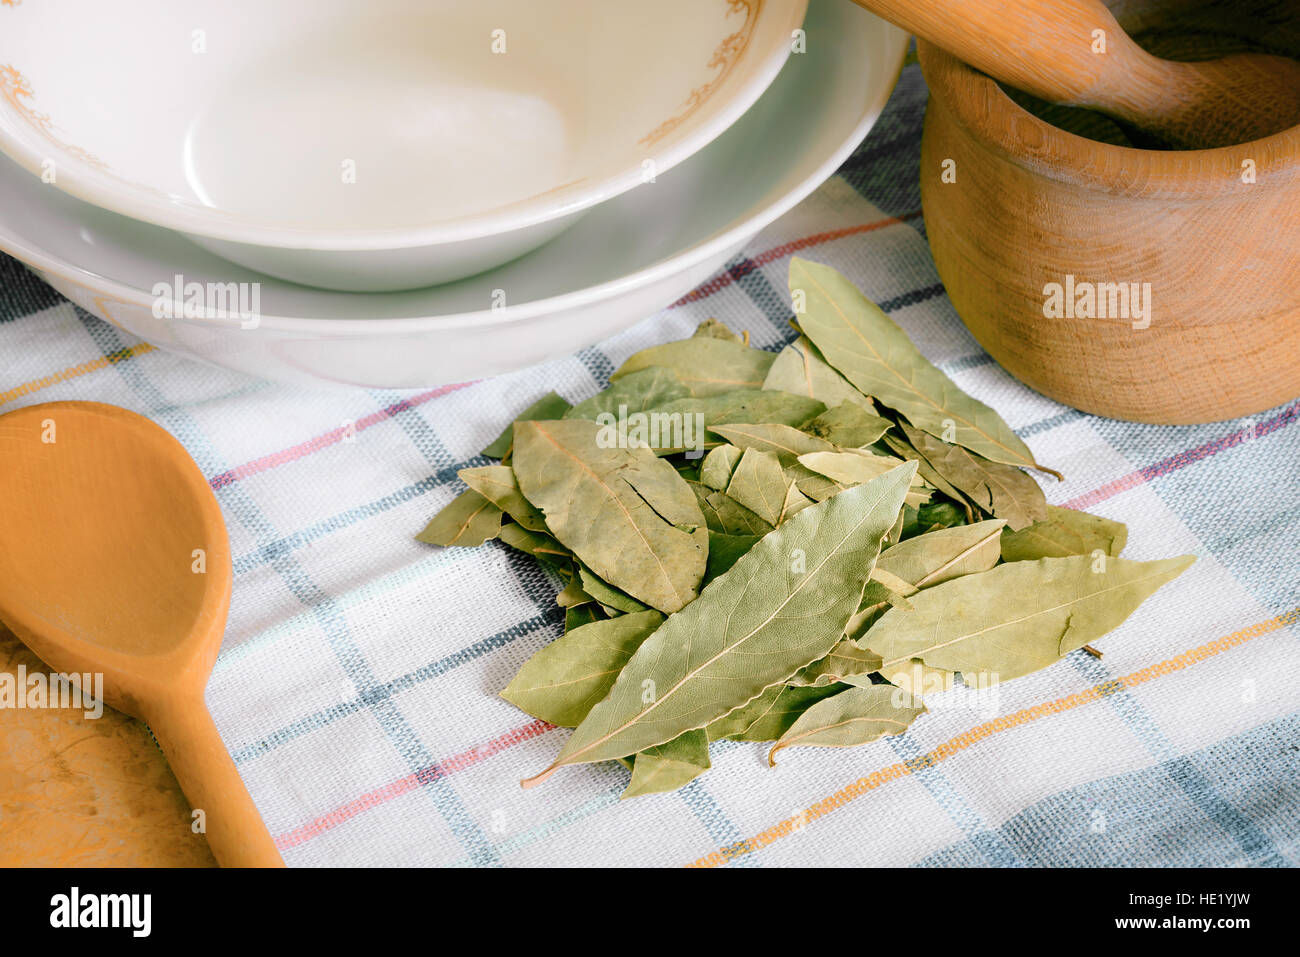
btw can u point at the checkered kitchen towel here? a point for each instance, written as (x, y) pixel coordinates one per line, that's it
(357, 685)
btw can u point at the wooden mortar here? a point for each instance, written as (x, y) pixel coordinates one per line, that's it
(1031, 204)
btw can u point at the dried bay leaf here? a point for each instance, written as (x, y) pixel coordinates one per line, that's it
(625, 513)
(943, 555)
(848, 426)
(845, 660)
(1064, 532)
(605, 593)
(706, 366)
(549, 406)
(724, 514)
(716, 469)
(1002, 491)
(498, 485)
(759, 484)
(769, 715)
(634, 393)
(848, 468)
(908, 566)
(739, 405)
(800, 369)
(872, 352)
(540, 545)
(784, 441)
(852, 717)
(666, 767)
(782, 606)
(562, 682)
(853, 468)
(1018, 617)
(467, 520)
(902, 448)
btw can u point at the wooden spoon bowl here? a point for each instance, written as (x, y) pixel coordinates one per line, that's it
(114, 560)
(1014, 204)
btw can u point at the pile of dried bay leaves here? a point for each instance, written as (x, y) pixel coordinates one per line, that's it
(791, 547)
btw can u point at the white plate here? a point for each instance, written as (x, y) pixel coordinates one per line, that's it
(381, 145)
(626, 259)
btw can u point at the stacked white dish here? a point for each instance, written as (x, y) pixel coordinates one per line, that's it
(651, 221)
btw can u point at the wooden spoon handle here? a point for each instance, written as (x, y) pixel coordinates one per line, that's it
(1043, 47)
(235, 830)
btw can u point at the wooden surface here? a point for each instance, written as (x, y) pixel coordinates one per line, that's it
(1050, 49)
(114, 561)
(1032, 204)
(87, 793)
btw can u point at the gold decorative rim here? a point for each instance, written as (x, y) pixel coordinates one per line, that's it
(725, 57)
(14, 89)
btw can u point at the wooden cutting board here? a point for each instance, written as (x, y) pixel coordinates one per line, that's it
(79, 792)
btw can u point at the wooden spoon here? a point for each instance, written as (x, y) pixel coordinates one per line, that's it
(1046, 48)
(114, 559)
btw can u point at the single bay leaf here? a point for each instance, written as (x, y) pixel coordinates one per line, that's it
(924, 561)
(540, 545)
(845, 659)
(706, 366)
(637, 392)
(562, 682)
(784, 441)
(1018, 617)
(716, 469)
(782, 606)
(759, 484)
(848, 426)
(800, 369)
(739, 405)
(625, 513)
(467, 520)
(848, 468)
(943, 555)
(871, 351)
(724, 514)
(549, 406)
(1064, 532)
(605, 593)
(1002, 491)
(713, 329)
(854, 468)
(852, 717)
(668, 766)
(497, 484)
(724, 551)
(769, 715)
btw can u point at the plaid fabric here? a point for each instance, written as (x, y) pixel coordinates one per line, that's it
(357, 685)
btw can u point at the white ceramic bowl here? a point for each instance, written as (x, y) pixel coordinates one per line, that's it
(379, 145)
(628, 258)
